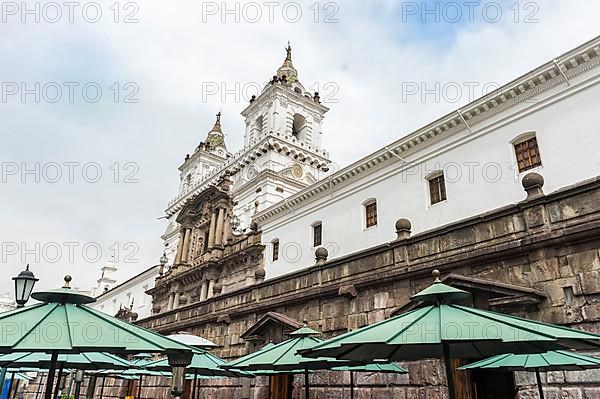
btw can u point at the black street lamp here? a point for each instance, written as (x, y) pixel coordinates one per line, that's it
(24, 283)
(163, 261)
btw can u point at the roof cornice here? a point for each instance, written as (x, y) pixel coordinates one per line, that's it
(276, 90)
(551, 74)
(270, 141)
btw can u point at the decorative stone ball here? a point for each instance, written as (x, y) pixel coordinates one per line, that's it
(403, 224)
(321, 253)
(183, 298)
(532, 180)
(217, 288)
(260, 273)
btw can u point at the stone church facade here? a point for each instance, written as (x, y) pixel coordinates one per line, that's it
(532, 253)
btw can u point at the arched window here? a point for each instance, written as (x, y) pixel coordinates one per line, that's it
(527, 152)
(298, 126)
(258, 125)
(370, 212)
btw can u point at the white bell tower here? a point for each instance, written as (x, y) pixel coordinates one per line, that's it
(282, 153)
(283, 130)
(285, 109)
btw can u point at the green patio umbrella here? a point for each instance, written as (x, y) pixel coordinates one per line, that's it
(62, 324)
(203, 364)
(140, 360)
(80, 361)
(284, 358)
(439, 328)
(540, 362)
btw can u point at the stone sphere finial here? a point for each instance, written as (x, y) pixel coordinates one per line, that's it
(403, 228)
(260, 273)
(532, 179)
(533, 183)
(321, 255)
(435, 273)
(68, 280)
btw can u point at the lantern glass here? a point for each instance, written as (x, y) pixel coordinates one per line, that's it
(164, 259)
(24, 284)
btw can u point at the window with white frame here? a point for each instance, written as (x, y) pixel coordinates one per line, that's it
(437, 188)
(370, 213)
(275, 250)
(317, 234)
(527, 152)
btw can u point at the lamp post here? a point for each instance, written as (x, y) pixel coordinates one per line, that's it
(163, 261)
(24, 283)
(235, 223)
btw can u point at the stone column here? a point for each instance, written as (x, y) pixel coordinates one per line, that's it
(204, 290)
(219, 228)
(211, 285)
(179, 247)
(227, 234)
(211, 229)
(170, 305)
(176, 300)
(186, 245)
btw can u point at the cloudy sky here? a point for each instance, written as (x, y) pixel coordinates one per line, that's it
(102, 100)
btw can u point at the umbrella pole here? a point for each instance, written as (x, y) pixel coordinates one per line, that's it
(16, 390)
(70, 388)
(102, 387)
(139, 395)
(539, 384)
(10, 384)
(78, 389)
(351, 385)
(306, 387)
(51, 373)
(194, 385)
(197, 391)
(58, 381)
(449, 372)
(2, 379)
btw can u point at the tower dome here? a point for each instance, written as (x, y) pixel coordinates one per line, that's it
(288, 74)
(215, 140)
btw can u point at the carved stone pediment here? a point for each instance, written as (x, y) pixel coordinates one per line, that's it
(271, 327)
